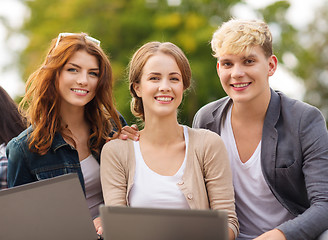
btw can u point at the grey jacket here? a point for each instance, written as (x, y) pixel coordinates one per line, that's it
(294, 157)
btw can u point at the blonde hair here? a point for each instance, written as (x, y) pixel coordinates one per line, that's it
(237, 36)
(139, 60)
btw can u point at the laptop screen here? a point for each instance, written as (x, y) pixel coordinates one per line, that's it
(50, 209)
(162, 224)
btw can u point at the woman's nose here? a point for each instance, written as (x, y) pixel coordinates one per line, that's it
(82, 79)
(164, 85)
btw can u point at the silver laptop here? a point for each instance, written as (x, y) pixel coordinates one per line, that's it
(50, 209)
(126, 223)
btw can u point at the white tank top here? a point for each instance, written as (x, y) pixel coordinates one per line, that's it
(257, 208)
(91, 174)
(153, 190)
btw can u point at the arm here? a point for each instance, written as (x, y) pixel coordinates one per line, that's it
(98, 225)
(274, 234)
(113, 172)
(314, 141)
(18, 169)
(218, 179)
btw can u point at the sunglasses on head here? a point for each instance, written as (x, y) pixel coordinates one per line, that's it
(61, 35)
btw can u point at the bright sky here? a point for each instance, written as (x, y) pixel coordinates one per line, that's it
(300, 13)
(14, 12)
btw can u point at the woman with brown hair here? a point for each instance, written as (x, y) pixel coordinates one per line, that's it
(70, 108)
(11, 124)
(172, 165)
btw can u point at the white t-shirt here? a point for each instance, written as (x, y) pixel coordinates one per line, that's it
(91, 174)
(153, 190)
(257, 208)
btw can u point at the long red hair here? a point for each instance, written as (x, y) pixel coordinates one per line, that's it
(42, 97)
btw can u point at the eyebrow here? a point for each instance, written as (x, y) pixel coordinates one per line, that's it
(242, 58)
(173, 73)
(156, 73)
(223, 59)
(153, 73)
(78, 66)
(249, 56)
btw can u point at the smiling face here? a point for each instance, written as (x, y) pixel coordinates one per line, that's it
(78, 80)
(245, 77)
(161, 86)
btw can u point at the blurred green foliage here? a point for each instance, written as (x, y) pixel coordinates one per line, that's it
(124, 25)
(313, 62)
(307, 50)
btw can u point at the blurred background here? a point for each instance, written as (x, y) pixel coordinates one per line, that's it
(299, 27)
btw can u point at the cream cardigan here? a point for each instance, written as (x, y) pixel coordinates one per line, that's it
(206, 183)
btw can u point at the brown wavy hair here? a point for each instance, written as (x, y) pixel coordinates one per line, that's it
(42, 96)
(12, 122)
(139, 60)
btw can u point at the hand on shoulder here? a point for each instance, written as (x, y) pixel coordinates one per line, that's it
(130, 132)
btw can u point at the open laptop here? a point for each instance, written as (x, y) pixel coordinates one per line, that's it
(50, 209)
(126, 223)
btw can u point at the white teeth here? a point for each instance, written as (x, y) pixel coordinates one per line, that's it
(164, 99)
(79, 91)
(240, 85)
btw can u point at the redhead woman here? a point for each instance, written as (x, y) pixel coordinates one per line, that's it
(70, 109)
(172, 165)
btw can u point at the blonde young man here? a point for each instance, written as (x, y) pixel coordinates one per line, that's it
(278, 147)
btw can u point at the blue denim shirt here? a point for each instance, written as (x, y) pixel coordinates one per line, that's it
(25, 166)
